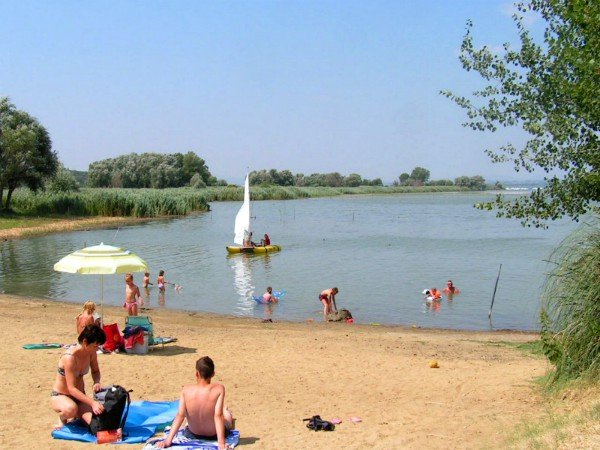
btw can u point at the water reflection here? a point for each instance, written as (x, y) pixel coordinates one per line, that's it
(242, 280)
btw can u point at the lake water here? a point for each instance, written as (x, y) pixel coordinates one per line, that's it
(381, 251)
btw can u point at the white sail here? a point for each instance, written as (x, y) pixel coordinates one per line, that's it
(242, 220)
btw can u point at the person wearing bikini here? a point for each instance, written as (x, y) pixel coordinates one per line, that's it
(68, 396)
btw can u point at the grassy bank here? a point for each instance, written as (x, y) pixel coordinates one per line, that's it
(15, 227)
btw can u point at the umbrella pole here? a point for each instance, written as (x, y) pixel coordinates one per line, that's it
(102, 300)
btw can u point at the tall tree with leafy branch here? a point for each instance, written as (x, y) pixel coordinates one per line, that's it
(550, 89)
(26, 156)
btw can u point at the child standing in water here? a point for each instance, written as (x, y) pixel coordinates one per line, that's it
(146, 282)
(160, 281)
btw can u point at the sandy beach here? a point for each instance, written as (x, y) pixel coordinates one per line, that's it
(276, 374)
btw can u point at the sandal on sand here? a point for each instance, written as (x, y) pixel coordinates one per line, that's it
(336, 421)
(355, 419)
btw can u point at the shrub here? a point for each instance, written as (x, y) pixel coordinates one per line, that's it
(571, 305)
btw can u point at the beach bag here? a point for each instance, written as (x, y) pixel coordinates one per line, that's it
(115, 400)
(339, 316)
(114, 340)
(317, 424)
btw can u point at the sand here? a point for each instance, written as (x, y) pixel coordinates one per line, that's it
(276, 374)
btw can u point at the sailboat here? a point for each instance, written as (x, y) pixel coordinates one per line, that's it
(242, 229)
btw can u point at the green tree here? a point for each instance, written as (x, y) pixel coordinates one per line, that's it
(63, 181)
(353, 180)
(550, 90)
(420, 174)
(26, 156)
(404, 177)
(193, 164)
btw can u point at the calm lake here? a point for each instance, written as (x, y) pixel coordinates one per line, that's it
(380, 251)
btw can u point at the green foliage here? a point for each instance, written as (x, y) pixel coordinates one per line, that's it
(420, 174)
(286, 178)
(112, 202)
(63, 181)
(571, 305)
(550, 90)
(149, 170)
(476, 183)
(197, 182)
(81, 177)
(26, 156)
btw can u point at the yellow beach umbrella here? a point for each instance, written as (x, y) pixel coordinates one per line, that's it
(101, 260)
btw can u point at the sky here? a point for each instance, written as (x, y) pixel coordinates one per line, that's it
(309, 86)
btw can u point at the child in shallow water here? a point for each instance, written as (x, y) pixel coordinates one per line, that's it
(146, 281)
(160, 281)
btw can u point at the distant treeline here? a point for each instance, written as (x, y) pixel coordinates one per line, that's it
(286, 178)
(420, 177)
(152, 170)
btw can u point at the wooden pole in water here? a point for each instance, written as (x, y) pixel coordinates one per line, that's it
(494, 294)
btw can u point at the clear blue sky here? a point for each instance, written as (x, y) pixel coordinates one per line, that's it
(310, 86)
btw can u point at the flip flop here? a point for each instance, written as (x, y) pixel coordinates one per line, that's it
(336, 421)
(355, 419)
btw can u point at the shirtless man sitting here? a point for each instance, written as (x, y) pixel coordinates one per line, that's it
(202, 404)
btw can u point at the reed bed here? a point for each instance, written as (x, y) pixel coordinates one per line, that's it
(112, 202)
(180, 201)
(571, 305)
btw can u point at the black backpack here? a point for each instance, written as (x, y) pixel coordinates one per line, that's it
(116, 402)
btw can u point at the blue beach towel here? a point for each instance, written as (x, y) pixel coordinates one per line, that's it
(183, 443)
(144, 419)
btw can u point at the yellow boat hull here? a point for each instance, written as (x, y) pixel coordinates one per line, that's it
(258, 249)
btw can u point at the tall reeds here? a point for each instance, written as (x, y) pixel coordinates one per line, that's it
(571, 305)
(180, 201)
(112, 202)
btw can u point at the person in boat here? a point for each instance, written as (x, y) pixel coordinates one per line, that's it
(268, 296)
(203, 405)
(248, 240)
(266, 240)
(132, 296)
(327, 298)
(450, 289)
(68, 397)
(87, 317)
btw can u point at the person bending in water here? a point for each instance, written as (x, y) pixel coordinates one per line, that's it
(203, 405)
(327, 298)
(68, 397)
(132, 296)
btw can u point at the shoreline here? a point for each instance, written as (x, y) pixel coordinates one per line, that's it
(284, 372)
(62, 225)
(207, 314)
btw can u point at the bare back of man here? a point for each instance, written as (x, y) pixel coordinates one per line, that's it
(203, 404)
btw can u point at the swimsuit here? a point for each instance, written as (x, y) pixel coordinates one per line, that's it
(191, 435)
(129, 306)
(56, 394)
(61, 370)
(323, 297)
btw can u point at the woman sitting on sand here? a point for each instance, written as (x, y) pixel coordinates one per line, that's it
(87, 316)
(68, 397)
